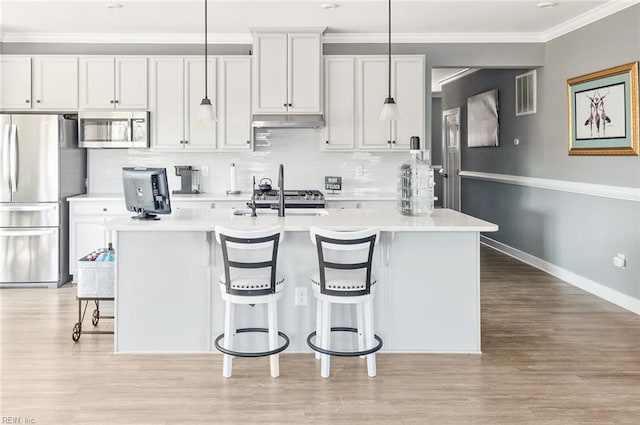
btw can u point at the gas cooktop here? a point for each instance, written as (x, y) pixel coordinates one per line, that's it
(292, 199)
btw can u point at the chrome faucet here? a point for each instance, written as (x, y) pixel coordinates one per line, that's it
(281, 191)
(252, 204)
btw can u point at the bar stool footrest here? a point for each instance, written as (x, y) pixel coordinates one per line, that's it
(314, 347)
(252, 354)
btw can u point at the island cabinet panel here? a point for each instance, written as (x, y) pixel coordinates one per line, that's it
(433, 290)
(181, 293)
(426, 268)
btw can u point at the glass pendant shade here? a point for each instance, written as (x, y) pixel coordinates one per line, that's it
(206, 111)
(389, 111)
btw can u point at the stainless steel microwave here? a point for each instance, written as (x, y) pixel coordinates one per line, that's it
(113, 129)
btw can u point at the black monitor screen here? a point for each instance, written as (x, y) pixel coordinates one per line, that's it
(146, 192)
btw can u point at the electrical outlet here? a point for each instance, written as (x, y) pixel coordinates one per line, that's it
(620, 261)
(301, 296)
(205, 170)
(359, 170)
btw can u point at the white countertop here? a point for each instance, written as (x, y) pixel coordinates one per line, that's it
(386, 219)
(243, 197)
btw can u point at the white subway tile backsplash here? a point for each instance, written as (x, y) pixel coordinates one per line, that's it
(298, 149)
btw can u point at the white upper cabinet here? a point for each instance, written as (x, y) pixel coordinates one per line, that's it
(340, 103)
(373, 133)
(198, 135)
(42, 82)
(234, 103)
(287, 71)
(407, 88)
(55, 82)
(176, 88)
(305, 73)
(113, 82)
(15, 82)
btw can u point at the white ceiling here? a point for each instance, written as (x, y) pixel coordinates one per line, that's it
(352, 21)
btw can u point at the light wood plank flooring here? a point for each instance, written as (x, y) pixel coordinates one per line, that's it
(552, 355)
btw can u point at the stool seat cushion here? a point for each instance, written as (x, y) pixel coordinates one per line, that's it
(252, 279)
(343, 280)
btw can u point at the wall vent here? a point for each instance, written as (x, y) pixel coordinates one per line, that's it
(526, 93)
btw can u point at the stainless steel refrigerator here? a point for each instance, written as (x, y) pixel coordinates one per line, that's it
(40, 165)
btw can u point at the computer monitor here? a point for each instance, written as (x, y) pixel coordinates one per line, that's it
(146, 192)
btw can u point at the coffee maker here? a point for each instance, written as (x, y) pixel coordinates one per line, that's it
(189, 179)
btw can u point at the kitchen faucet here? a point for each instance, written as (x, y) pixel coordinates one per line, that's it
(252, 204)
(281, 191)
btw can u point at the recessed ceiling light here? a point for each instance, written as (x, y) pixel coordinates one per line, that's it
(113, 5)
(546, 4)
(329, 6)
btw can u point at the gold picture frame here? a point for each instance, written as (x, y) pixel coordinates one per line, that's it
(603, 112)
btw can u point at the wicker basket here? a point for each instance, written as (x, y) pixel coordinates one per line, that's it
(95, 278)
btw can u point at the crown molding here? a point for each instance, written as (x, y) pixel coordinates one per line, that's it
(125, 38)
(587, 18)
(402, 38)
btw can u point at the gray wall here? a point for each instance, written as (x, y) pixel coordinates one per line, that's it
(579, 233)
(436, 143)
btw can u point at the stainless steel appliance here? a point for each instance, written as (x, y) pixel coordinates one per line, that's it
(189, 179)
(41, 165)
(292, 199)
(287, 121)
(114, 129)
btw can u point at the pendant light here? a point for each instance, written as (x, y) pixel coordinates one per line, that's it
(389, 111)
(206, 111)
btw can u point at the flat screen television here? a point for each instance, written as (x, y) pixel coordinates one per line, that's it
(146, 192)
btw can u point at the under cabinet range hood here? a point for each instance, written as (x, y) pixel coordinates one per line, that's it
(287, 121)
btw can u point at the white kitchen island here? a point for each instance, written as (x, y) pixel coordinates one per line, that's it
(428, 272)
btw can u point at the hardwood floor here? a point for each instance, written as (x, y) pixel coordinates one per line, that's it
(552, 354)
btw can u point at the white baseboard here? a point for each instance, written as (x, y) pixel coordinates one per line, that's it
(599, 290)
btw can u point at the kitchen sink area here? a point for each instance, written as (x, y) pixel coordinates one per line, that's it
(312, 212)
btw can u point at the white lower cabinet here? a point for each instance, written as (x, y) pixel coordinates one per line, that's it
(86, 233)
(360, 204)
(87, 218)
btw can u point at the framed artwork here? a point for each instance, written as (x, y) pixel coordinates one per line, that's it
(482, 119)
(603, 112)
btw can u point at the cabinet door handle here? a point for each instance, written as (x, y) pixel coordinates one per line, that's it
(248, 142)
(111, 101)
(285, 105)
(38, 101)
(186, 142)
(27, 101)
(394, 142)
(104, 209)
(182, 142)
(117, 101)
(327, 142)
(290, 105)
(388, 142)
